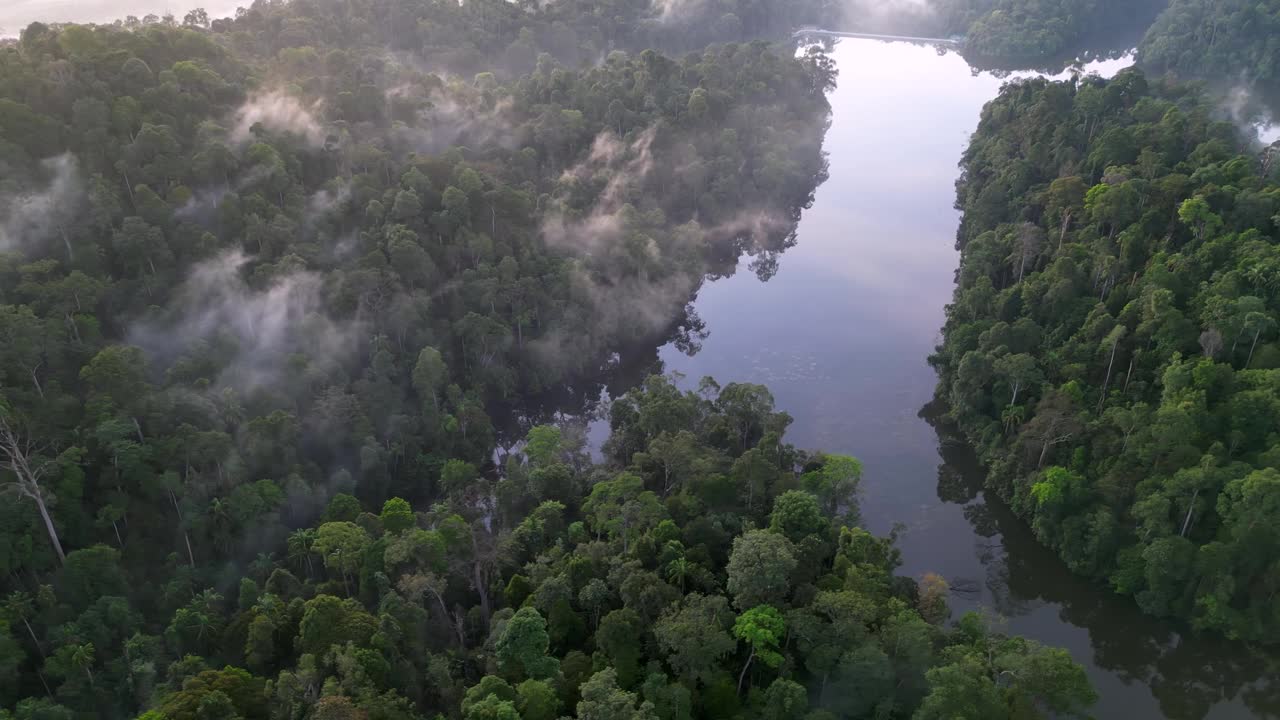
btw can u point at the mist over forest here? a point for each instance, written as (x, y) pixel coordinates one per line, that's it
(304, 308)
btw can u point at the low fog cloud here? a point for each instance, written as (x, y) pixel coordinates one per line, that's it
(855, 15)
(278, 112)
(1249, 114)
(627, 301)
(326, 201)
(201, 206)
(624, 165)
(323, 206)
(624, 309)
(267, 325)
(448, 117)
(895, 16)
(638, 286)
(30, 219)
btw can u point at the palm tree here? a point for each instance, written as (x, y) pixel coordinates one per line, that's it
(82, 659)
(222, 521)
(678, 570)
(20, 606)
(1013, 415)
(300, 542)
(262, 565)
(209, 599)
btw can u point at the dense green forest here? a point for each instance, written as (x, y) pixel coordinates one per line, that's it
(1112, 347)
(1234, 43)
(1010, 32)
(696, 573)
(285, 303)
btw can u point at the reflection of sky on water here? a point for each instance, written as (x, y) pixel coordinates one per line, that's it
(842, 332)
(841, 335)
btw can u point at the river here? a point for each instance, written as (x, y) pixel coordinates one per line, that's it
(841, 333)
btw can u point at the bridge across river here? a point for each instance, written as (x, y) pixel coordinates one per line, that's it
(819, 32)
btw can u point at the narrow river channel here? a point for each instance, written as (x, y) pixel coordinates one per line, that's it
(841, 335)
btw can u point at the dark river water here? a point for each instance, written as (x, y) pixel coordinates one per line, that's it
(841, 335)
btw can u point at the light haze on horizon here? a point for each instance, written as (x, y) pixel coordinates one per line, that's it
(17, 14)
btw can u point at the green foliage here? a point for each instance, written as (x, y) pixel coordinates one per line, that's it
(522, 647)
(695, 635)
(762, 627)
(1226, 40)
(1014, 33)
(797, 516)
(543, 445)
(1118, 380)
(492, 699)
(602, 699)
(397, 516)
(536, 700)
(760, 569)
(327, 621)
(213, 688)
(281, 276)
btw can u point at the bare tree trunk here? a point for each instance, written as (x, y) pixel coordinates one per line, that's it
(1186, 523)
(1048, 443)
(1252, 347)
(743, 675)
(71, 255)
(75, 330)
(45, 683)
(128, 185)
(18, 452)
(36, 381)
(34, 640)
(1107, 383)
(48, 526)
(482, 588)
(444, 612)
(191, 556)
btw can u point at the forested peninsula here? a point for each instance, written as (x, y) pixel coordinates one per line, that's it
(283, 299)
(1228, 44)
(1112, 346)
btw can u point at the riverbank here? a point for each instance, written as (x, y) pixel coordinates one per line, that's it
(840, 334)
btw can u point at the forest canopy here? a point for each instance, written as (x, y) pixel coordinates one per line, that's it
(1112, 350)
(260, 275)
(1232, 44)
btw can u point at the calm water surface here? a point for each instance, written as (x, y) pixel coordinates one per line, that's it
(841, 334)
